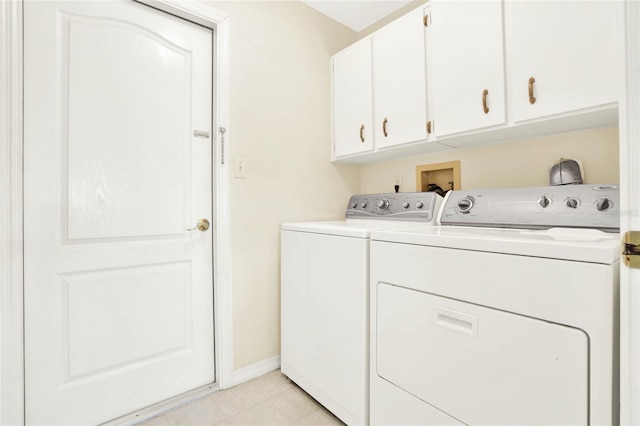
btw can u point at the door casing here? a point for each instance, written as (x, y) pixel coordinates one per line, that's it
(630, 212)
(11, 194)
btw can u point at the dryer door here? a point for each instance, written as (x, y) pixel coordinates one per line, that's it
(481, 365)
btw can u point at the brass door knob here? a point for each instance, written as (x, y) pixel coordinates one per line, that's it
(202, 225)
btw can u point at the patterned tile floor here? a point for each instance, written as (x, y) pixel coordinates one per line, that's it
(271, 399)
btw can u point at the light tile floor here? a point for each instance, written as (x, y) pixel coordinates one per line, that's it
(271, 399)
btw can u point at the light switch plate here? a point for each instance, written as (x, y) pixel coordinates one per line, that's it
(240, 168)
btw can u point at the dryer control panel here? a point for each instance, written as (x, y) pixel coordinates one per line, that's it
(406, 206)
(570, 206)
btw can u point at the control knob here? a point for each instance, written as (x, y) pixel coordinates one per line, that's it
(405, 205)
(544, 201)
(354, 205)
(383, 204)
(603, 204)
(363, 205)
(465, 205)
(572, 202)
(419, 205)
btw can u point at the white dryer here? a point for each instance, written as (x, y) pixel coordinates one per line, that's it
(505, 315)
(325, 298)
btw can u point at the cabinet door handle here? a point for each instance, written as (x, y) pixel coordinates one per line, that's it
(532, 99)
(384, 127)
(428, 127)
(362, 133)
(485, 108)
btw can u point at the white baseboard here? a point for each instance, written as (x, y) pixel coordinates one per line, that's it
(252, 371)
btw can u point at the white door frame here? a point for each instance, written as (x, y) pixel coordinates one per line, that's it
(630, 215)
(11, 199)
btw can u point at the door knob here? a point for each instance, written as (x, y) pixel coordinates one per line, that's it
(202, 225)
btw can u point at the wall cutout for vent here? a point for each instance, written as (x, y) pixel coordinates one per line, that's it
(445, 175)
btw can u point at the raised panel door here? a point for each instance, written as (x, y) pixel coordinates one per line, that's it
(118, 294)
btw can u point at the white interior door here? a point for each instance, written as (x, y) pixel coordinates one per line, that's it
(118, 294)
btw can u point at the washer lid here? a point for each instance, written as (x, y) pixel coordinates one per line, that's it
(585, 245)
(347, 228)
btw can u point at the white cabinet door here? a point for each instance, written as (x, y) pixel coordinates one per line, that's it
(466, 60)
(118, 294)
(399, 81)
(352, 100)
(569, 48)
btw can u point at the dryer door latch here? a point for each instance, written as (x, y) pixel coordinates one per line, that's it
(631, 249)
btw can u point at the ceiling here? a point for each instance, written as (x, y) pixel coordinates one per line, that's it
(356, 14)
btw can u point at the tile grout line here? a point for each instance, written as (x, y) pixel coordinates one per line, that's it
(265, 388)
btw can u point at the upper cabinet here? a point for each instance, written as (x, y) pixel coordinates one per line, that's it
(380, 93)
(467, 63)
(399, 81)
(454, 74)
(562, 56)
(352, 100)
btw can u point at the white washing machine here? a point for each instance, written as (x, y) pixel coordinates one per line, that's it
(325, 298)
(505, 315)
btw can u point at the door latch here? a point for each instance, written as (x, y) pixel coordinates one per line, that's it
(631, 249)
(202, 225)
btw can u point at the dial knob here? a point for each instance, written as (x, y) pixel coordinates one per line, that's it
(354, 205)
(419, 205)
(465, 205)
(405, 205)
(603, 204)
(383, 204)
(572, 202)
(364, 205)
(544, 201)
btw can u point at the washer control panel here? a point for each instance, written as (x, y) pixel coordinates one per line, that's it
(409, 206)
(574, 206)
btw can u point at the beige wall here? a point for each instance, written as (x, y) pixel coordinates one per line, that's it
(515, 164)
(391, 17)
(280, 121)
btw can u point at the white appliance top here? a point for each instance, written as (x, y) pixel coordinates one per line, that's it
(570, 222)
(355, 228)
(583, 245)
(368, 212)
